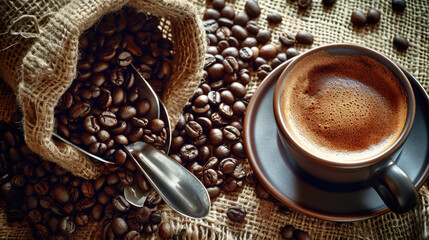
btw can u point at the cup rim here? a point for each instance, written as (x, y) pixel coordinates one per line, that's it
(391, 150)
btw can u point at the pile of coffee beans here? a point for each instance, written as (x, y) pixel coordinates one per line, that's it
(104, 109)
(55, 203)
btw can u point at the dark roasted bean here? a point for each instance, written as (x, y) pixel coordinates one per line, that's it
(399, 5)
(236, 213)
(252, 8)
(358, 18)
(274, 18)
(401, 43)
(304, 38)
(373, 16)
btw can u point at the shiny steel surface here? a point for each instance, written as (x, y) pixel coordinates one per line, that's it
(179, 188)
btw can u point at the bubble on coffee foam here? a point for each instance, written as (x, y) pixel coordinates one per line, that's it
(354, 112)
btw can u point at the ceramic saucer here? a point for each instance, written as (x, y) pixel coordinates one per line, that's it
(298, 190)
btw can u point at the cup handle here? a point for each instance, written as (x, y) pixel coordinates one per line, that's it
(394, 187)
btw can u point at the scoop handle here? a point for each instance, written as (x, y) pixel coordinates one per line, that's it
(178, 187)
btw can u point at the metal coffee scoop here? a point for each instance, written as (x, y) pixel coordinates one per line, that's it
(178, 187)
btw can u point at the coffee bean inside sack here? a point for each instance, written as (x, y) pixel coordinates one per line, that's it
(104, 109)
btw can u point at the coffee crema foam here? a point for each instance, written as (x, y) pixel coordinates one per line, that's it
(343, 108)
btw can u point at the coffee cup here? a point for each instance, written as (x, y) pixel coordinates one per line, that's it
(343, 113)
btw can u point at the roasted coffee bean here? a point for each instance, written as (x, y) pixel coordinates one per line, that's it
(79, 110)
(98, 67)
(222, 45)
(155, 217)
(373, 16)
(213, 191)
(227, 12)
(358, 18)
(214, 98)
(238, 150)
(193, 129)
(97, 148)
(238, 89)
(223, 33)
(252, 8)
(304, 38)
(127, 112)
(156, 125)
(61, 194)
(246, 53)
(268, 51)
(216, 136)
(291, 52)
(91, 124)
(143, 214)
(153, 199)
(287, 39)
(222, 151)
(218, 4)
(40, 231)
(274, 18)
(103, 135)
(230, 64)
(211, 25)
(231, 133)
(287, 232)
(121, 139)
(399, 5)
(216, 71)
(106, 28)
(117, 77)
(227, 165)
(142, 106)
(401, 43)
(41, 188)
(239, 32)
(81, 219)
(225, 110)
(188, 152)
(211, 13)
(210, 177)
(166, 230)
(301, 235)
(231, 51)
(252, 27)
(236, 213)
(241, 18)
(225, 22)
(107, 119)
(227, 97)
(119, 226)
(263, 36)
(239, 108)
(120, 203)
(85, 204)
(328, 3)
(87, 189)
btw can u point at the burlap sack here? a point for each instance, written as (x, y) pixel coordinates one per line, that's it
(39, 53)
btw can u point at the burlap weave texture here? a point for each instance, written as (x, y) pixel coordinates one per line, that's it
(328, 25)
(39, 53)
